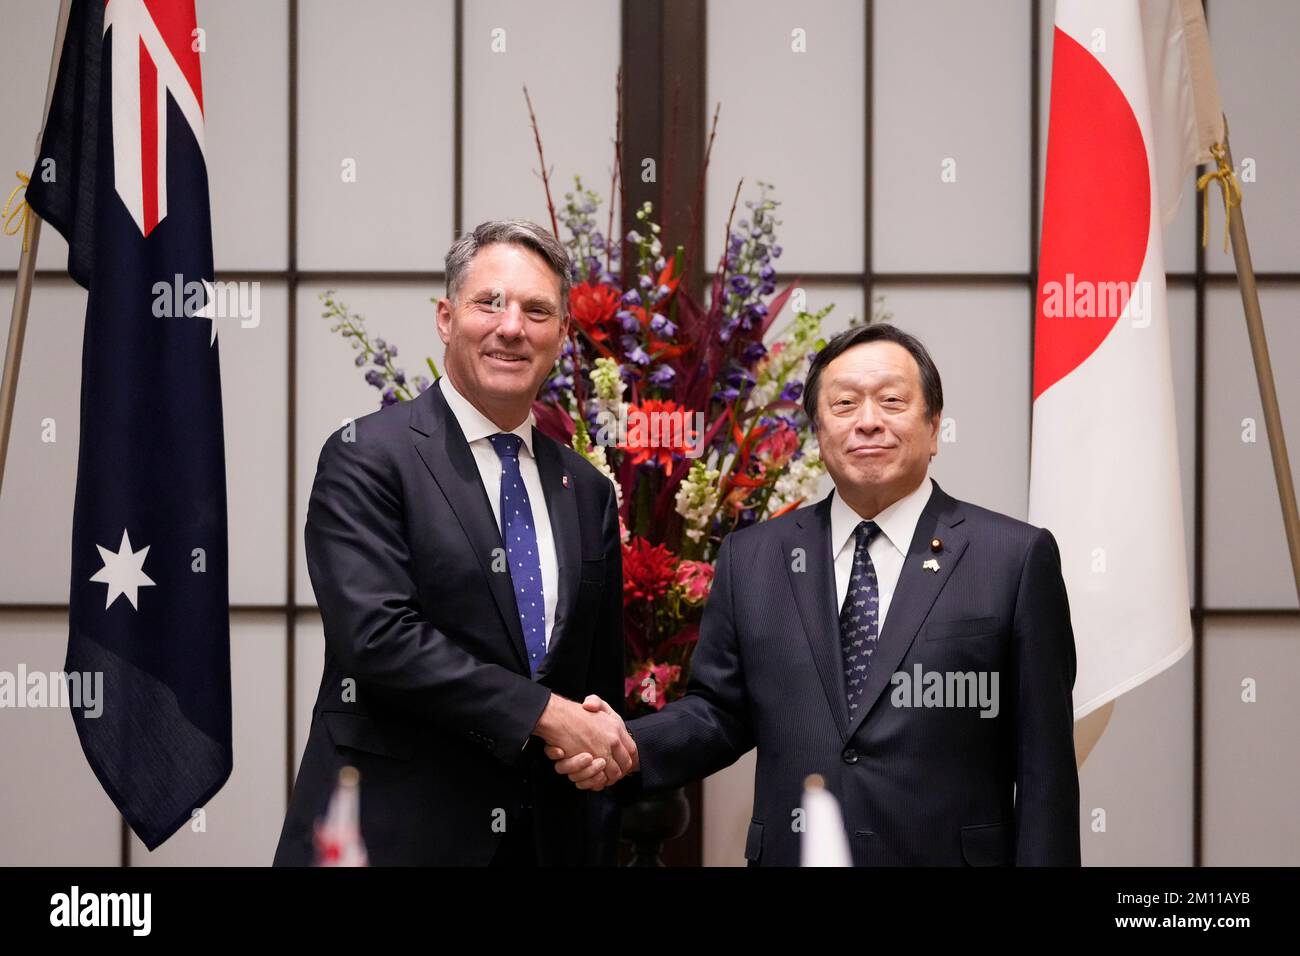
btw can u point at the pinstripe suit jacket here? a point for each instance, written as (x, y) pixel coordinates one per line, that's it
(991, 782)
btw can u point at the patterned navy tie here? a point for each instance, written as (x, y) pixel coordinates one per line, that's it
(521, 548)
(859, 628)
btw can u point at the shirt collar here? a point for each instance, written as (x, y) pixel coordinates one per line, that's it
(474, 424)
(898, 521)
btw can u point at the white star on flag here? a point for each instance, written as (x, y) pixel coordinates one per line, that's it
(209, 310)
(122, 571)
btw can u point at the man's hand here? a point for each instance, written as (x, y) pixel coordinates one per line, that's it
(593, 730)
(585, 769)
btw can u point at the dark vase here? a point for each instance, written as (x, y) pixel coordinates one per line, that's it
(652, 821)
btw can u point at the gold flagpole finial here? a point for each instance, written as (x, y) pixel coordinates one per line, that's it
(19, 217)
(1228, 185)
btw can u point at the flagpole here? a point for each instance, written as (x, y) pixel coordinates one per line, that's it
(26, 266)
(1264, 372)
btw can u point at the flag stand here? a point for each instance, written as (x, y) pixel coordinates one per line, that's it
(1263, 370)
(26, 266)
(1089, 730)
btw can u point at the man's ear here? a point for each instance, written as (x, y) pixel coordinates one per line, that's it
(442, 317)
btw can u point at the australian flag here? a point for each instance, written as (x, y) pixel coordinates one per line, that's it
(121, 174)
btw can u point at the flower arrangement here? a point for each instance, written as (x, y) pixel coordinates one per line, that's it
(690, 408)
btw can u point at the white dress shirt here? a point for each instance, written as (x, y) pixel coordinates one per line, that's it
(477, 427)
(887, 549)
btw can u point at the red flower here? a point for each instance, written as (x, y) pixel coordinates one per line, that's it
(657, 430)
(651, 683)
(593, 306)
(778, 447)
(694, 578)
(648, 570)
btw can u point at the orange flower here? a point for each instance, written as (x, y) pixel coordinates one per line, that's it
(593, 306)
(658, 429)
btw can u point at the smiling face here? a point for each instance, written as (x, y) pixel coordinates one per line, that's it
(875, 436)
(503, 331)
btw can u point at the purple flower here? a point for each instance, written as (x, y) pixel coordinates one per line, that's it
(638, 355)
(792, 391)
(390, 397)
(375, 378)
(630, 322)
(662, 326)
(767, 273)
(663, 375)
(399, 377)
(740, 284)
(631, 297)
(776, 252)
(753, 352)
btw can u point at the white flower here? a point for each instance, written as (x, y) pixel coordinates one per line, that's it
(608, 382)
(697, 499)
(799, 480)
(596, 455)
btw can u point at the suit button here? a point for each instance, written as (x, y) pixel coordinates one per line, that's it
(850, 756)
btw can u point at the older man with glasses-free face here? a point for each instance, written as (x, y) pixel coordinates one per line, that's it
(912, 649)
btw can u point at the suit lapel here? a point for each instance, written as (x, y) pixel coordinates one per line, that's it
(812, 580)
(915, 592)
(442, 447)
(562, 508)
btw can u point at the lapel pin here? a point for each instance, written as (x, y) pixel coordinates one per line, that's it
(936, 545)
(564, 480)
(931, 565)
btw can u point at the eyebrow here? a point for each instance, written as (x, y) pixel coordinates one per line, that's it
(491, 291)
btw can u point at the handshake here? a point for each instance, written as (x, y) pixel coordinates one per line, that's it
(588, 742)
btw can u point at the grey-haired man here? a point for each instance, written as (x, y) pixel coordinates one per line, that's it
(469, 578)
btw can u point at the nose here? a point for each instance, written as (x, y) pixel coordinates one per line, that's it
(511, 323)
(868, 418)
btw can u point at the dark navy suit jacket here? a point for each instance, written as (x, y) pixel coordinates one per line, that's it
(916, 785)
(420, 614)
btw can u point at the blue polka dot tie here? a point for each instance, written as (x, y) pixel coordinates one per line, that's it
(859, 624)
(520, 537)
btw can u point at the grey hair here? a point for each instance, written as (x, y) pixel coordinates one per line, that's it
(520, 232)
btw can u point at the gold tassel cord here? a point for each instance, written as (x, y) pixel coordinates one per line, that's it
(19, 217)
(1228, 185)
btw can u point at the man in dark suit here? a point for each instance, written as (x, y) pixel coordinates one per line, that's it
(946, 734)
(469, 577)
